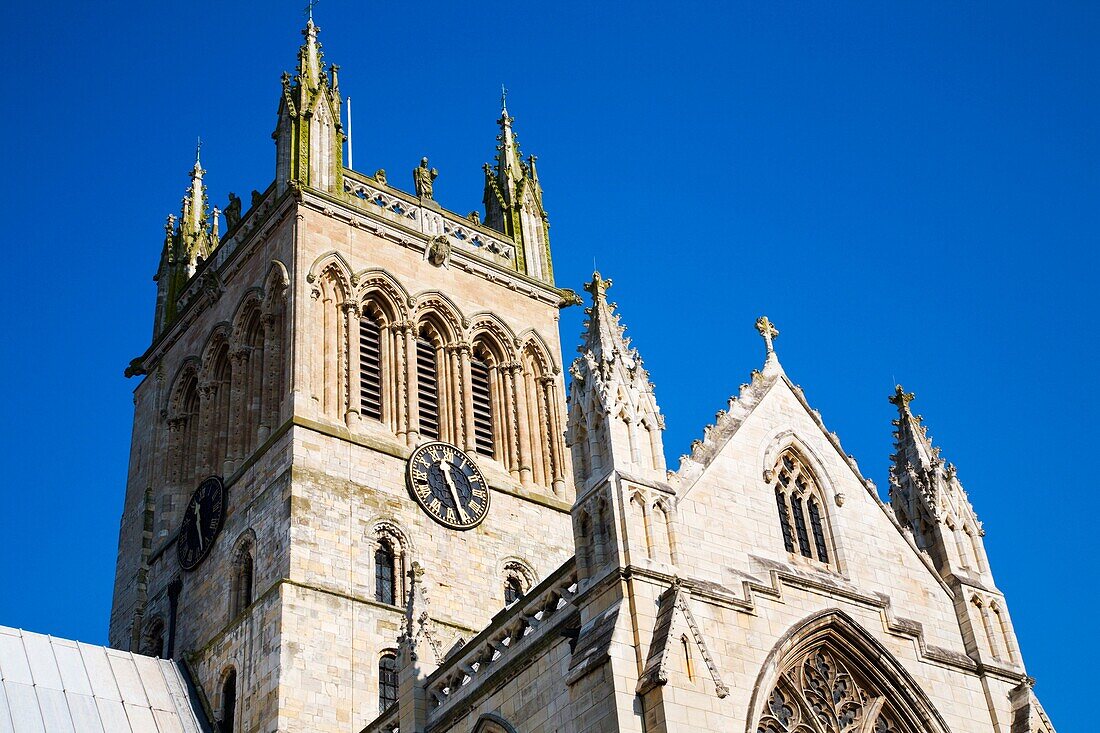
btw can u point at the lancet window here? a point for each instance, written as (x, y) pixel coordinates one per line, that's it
(801, 508)
(241, 586)
(229, 702)
(385, 567)
(387, 681)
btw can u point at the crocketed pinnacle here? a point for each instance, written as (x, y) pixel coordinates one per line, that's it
(193, 213)
(509, 168)
(309, 56)
(913, 446)
(604, 337)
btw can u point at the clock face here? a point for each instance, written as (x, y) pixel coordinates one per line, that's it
(448, 485)
(201, 523)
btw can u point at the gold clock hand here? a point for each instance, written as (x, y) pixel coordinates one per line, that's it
(198, 523)
(446, 468)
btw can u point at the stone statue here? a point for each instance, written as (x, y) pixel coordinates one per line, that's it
(380, 176)
(233, 211)
(423, 178)
(474, 216)
(257, 197)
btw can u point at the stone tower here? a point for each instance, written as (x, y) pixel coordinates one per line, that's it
(272, 530)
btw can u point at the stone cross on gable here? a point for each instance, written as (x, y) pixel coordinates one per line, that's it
(768, 330)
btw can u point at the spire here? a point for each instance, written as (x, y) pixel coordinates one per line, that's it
(604, 338)
(309, 135)
(309, 55)
(194, 207)
(509, 168)
(913, 444)
(926, 494)
(513, 199)
(614, 419)
(188, 241)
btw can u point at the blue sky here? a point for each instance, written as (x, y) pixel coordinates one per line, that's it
(909, 192)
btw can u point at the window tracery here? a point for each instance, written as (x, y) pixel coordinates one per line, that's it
(820, 693)
(801, 508)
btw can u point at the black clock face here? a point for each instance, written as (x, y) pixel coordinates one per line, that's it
(201, 523)
(448, 485)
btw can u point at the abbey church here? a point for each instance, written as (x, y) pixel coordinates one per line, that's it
(360, 500)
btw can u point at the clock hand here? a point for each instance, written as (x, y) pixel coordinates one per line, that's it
(198, 523)
(446, 468)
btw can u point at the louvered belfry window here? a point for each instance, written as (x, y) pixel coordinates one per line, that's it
(427, 388)
(483, 407)
(370, 368)
(798, 499)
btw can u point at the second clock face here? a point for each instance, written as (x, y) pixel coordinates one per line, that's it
(201, 523)
(448, 485)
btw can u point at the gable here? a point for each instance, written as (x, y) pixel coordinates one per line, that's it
(728, 521)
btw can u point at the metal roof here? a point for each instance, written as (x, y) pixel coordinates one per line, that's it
(50, 685)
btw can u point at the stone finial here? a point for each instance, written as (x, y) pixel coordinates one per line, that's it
(901, 399)
(768, 330)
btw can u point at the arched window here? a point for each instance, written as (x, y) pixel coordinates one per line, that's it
(370, 366)
(387, 681)
(513, 590)
(229, 702)
(821, 680)
(252, 385)
(241, 586)
(152, 644)
(427, 386)
(800, 504)
(385, 567)
(220, 379)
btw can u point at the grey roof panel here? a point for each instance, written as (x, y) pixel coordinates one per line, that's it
(126, 675)
(42, 664)
(24, 708)
(5, 713)
(167, 722)
(141, 719)
(112, 715)
(55, 710)
(74, 677)
(85, 713)
(13, 660)
(52, 685)
(152, 678)
(99, 672)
